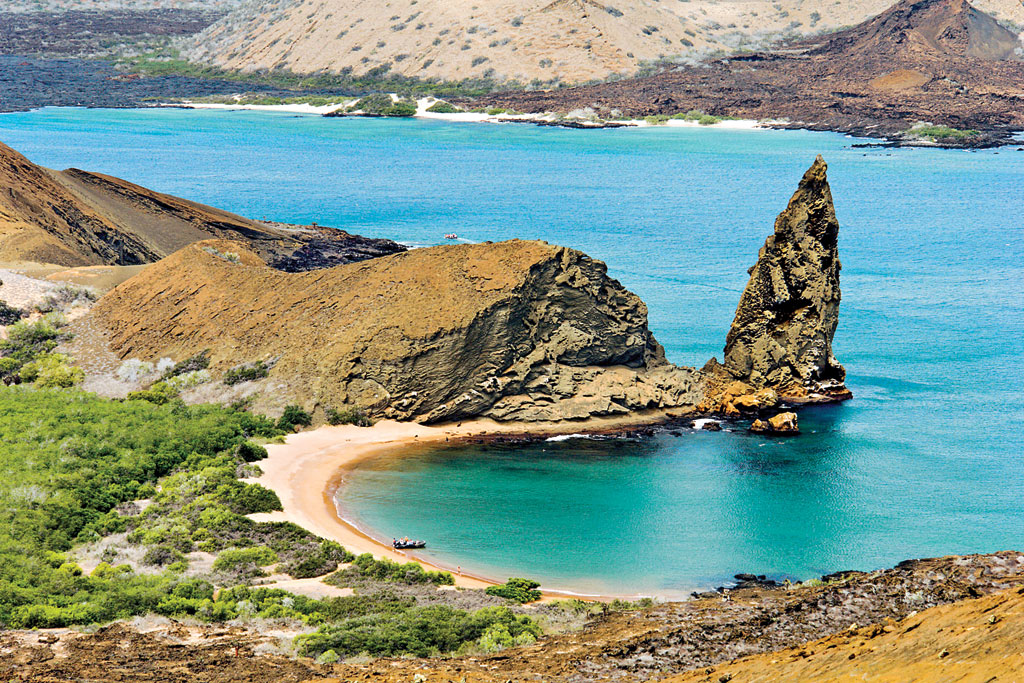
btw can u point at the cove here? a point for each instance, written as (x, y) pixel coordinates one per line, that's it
(925, 460)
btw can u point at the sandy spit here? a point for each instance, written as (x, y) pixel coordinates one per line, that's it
(307, 470)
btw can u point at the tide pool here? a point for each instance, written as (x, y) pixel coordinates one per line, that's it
(927, 459)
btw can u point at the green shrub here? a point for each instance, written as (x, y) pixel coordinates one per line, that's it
(442, 107)
(9, 314)
(259, 556)
(348, 416)
(158, 394)
(381, 104)
(517, 590)
(420, 631)
(939, 133)
(246, 373)
(656, 119)
(26, 341)
(292, 417)
(365, 567)
(323, 561)
(200, 361)
(708, 120)
(251, 452)
(52, 371)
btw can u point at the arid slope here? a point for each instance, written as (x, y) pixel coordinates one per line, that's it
(566, 40)
(77, 218)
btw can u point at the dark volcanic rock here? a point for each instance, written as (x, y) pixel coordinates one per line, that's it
(782, 334)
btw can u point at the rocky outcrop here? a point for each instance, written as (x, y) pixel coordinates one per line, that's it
(781, 337)
(77, 218)
(783, 423)
(514, 331)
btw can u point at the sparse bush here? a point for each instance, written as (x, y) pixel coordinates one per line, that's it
(442, 107)
(66, 296)
(9, 314)
(246, 373)
(200, 361)
(348, 416)
(292, 417)
(517, 590)
(134, 370)
(229, 256)
(187, 380)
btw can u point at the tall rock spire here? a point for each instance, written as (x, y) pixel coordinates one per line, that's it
(781, 337)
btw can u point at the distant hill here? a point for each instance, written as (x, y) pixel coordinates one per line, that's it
(105, 5)
(566, 40)
(937, 61)
(519, 40)
(77, 218)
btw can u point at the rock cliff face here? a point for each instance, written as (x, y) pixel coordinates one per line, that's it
(514, 331)
(782, 334)
(77, 218)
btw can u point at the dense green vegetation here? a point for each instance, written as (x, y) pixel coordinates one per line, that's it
(68, 459)
(366, 567)
(27, 355)
(517, 590)
(73, 464)
(422, 631)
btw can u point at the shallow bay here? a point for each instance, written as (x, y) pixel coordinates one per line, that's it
(926, 460)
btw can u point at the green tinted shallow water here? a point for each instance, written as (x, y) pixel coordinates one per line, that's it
(927, 459)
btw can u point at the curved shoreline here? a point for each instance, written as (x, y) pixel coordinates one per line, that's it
(308, 469)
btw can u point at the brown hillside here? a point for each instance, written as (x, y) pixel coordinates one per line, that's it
(938, 61)
(514, 330)
(77, 218)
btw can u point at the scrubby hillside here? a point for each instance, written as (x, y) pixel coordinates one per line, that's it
(77, 218)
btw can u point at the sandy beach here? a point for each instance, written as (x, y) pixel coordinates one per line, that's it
(307, 470)
(423, 104)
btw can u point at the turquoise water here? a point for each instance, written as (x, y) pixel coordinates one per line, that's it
(927, 459)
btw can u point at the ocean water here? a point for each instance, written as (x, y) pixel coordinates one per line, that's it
(928, 458)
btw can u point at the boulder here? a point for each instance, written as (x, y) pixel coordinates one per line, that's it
(783, 423)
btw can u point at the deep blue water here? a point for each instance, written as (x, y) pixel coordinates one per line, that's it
(927, 459)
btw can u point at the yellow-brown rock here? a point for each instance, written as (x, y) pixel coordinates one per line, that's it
(513, 330)
(782, 333)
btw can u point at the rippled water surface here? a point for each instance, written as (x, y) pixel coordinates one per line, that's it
(927, 459)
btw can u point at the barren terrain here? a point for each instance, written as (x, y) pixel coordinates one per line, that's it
(566, 41)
